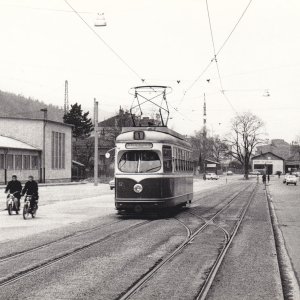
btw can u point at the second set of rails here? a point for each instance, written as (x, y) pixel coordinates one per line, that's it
(224, 203)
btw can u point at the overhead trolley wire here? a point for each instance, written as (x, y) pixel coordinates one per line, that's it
(217, 52)
(215, 58)
(103, 41)
(234, 28)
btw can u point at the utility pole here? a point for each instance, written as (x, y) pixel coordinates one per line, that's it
(96, 142)
(5, 165)
(45, 111)
(204, 135)
(66, 102)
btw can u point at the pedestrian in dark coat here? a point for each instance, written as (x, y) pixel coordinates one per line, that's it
(31, 188)
(264, 177)
(14, 187)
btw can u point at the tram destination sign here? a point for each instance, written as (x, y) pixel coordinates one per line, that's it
(139, 145)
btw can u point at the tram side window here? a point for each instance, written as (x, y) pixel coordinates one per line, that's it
(167, 159)
(176, 159)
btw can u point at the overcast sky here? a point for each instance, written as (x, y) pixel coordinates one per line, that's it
(43, 43)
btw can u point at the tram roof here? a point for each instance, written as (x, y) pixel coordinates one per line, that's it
(154, 134)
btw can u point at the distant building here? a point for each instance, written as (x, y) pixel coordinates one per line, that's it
(269, 162)
(292, 163)
(212, 166)
(21, 149)
(290, 153)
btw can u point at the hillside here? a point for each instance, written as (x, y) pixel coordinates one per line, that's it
(18, 106)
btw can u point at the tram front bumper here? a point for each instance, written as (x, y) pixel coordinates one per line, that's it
(130, 204)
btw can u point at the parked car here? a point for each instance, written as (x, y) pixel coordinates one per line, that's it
(112, 184)
(212, 176)
(254, 173)
(285, 176)
(291, 179)
(297, 174)
(229, 173)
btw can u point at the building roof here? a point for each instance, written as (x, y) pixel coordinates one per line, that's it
(294, 157)
(212, 161)
(264, 154)
(10, 143)
(77, 163)
(32, 119)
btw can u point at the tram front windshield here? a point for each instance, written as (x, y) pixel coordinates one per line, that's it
(139, 161)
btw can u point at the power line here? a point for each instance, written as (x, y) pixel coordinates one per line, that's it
(46, 9)
(235, 26)
(215, 58)
(217, 52)
(213, 44)
(104, 42)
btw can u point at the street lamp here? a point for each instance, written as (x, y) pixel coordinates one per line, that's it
(100, 20)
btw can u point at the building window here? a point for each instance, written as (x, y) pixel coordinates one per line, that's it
(10, 161)
(26, 162)
(34, 162)
(58, 150)
(2, 161)
(18, 162)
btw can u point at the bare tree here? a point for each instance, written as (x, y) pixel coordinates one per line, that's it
(204, 147)
(216, 149)
(198, 154)
(246, 133)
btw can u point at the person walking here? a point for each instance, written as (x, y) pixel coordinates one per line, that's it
(264, 177)
(268, 178)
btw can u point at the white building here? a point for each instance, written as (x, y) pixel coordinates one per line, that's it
(269, 162)
(21, 149)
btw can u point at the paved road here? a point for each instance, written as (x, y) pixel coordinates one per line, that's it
(100, 258)
(61, 206)
(286, 200)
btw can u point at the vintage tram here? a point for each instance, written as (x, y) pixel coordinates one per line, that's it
(153, 168)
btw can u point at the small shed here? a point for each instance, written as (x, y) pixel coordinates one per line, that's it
(78, 171)
(268, 162)
(211, 166)
(292, 164)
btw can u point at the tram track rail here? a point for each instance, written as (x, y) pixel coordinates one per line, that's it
(13, 255)
(213, 271)
(190, 237)
(61, 239)
(31, 269)
(45, 264)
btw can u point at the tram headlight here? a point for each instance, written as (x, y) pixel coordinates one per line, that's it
(138, 188)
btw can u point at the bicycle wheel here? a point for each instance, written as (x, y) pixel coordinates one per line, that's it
(9, 208)
(26, 211)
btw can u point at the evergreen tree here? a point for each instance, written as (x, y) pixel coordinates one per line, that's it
(83, 125)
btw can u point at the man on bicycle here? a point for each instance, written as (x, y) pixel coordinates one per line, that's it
(14, 187)
(31, 188)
